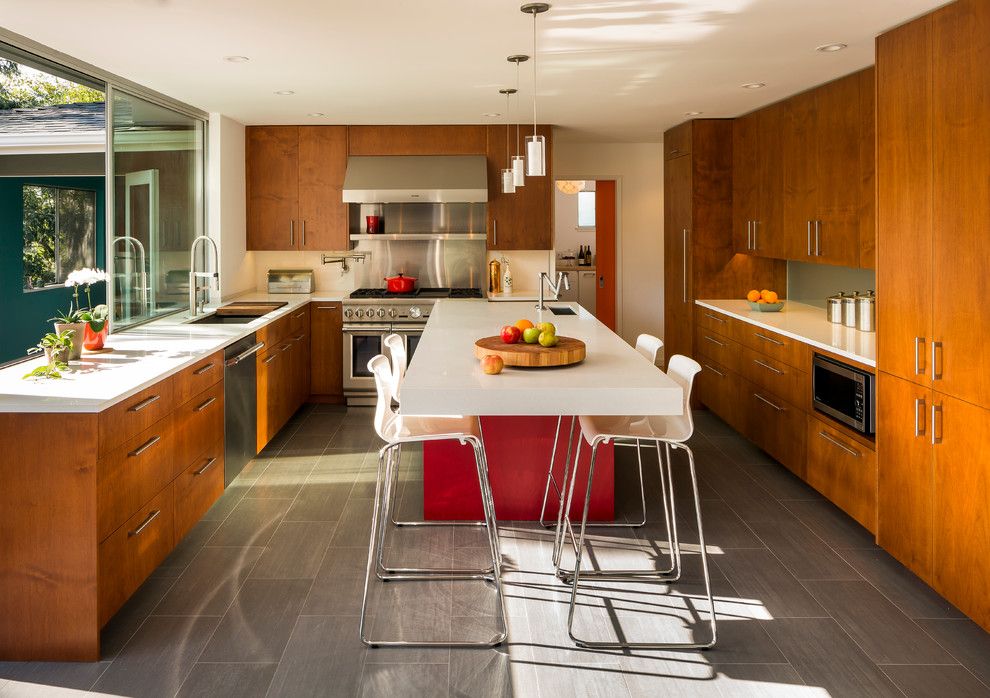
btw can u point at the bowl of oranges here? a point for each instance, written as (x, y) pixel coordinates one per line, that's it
(764, 301)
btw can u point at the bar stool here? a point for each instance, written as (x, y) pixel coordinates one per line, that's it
(673, 432)
(396, 429)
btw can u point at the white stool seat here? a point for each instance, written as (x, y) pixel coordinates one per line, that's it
(676, 429)
(405, 429)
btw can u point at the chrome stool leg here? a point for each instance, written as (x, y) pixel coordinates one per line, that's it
(590, 644)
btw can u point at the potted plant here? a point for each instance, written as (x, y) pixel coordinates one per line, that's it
(57, 347)
(96, 328)
(70, 323)
(79, 319)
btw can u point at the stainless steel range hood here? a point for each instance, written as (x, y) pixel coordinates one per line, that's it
(416, 179)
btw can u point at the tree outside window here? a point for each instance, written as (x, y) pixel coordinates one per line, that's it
(59, 233)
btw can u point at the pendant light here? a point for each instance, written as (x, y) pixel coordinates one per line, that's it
(518, 161)
(536, 145)
(508, 181)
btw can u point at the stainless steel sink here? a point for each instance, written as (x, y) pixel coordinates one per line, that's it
(562, 311)
(224, 320)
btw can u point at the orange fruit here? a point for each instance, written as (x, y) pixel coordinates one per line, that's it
(523, 324)
(762, 300)
(753, 296)
(769, 296)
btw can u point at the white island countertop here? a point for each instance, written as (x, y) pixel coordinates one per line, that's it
(445, 378)
(807, 324)
(141, 357)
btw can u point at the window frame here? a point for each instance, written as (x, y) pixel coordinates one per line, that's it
(56, 187)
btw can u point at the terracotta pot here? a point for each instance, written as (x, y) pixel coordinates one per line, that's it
(400, 284)
(52, 356)
(93, 341)
(79, 329)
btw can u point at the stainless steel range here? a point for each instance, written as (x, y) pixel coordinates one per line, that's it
(372, 313)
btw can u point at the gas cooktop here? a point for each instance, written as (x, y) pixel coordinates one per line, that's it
(419, 293)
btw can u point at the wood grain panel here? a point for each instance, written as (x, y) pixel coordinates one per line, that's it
(775, 376)
(322, 166)
(719, 348)
(776, 346)
(776, 426)
(272, 172)
(197, 424)
(326, 350)
(523, 220)
(842, 470)
(196, 378)
(868, 169)
(678, 199)
(719, 390)
(134, 414)
(800, 174)
(567, 351)
(416, 140)
(197, 488)
(677, 141)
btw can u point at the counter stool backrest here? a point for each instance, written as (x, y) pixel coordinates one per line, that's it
(649, 346)
(397, 351)
(683, 370)
(385, 414)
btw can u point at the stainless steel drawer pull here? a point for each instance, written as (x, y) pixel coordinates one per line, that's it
(303, 233)
(203, 369)
(296, 339)
(839, 444)
(144, 447)
(818, 238)
(144, 524)
(685, 263)
(326, 307)
(749, 235)
(301, 313)
(936, 423)
(756, 230)
(144, 403)
(768, 367)
(919, 416)
(715, 371)
(206, 466)
(936, 355)
(292, 233)
(716, 318)
(809, 239)
(919, 356)
(763, 399)
(206, 404)
(768, 339)
(714, 341)
(271, 358)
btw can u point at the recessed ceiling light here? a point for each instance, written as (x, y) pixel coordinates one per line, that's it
(753, 85)
(831, 48)
(693, 113)
(316, 113)
(236, 59)
(285, 93)
(492, 114)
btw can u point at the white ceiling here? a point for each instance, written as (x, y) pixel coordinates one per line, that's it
(610, 70)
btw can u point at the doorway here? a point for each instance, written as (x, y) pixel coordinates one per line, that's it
(585, 220)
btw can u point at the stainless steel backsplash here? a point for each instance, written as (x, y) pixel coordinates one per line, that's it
(421, 218)
(455, 263)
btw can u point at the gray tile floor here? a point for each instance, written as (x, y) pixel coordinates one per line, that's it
(262, 597)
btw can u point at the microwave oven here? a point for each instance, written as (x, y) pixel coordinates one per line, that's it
(845, 393)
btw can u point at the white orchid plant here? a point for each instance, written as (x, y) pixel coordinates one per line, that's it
(95, 316)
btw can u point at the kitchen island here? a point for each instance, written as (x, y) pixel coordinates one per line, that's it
(519, 407)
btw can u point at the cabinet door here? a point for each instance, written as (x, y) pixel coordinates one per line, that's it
(961, 204)
(774, 425)
(799, 129)
(837, 190)
(843, 470)
(769, 237)
(905, 473)
(962, 500)
(678, 186)
(677, 141)
(904, 199)
(745, 181)
(272, 187)
(522, 220)
(327, 345)
(322, 165)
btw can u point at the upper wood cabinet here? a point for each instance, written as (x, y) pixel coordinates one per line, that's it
(523, 220)
(295, 175)
(757, 184)
(418, 140)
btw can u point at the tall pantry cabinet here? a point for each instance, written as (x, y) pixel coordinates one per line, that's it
(933, 133)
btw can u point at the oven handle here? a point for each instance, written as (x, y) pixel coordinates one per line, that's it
(366, 329)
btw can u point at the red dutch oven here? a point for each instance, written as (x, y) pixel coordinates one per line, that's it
(400, 284)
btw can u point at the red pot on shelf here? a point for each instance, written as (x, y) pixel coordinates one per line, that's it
(93, 341)
(400, 284)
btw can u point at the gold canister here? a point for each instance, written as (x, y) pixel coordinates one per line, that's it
(494, 276)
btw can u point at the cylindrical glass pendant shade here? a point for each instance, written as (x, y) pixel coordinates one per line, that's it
(536, 156)
(519, 170)
(508, 184)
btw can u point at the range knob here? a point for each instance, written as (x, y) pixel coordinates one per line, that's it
(392, 313)
(381, 312)
(348, 312)
(359, 313)
(415, 312)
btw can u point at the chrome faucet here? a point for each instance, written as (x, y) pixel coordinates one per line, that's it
(562, 280)
(194, 288)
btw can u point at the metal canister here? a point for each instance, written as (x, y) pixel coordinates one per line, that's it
(849, 310)
(866, 312)
(494, 276)
(833, 308)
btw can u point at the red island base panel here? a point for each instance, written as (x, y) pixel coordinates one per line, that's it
(518, 450)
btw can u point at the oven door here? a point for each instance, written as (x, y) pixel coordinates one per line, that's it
(412, 335)
(361, 344)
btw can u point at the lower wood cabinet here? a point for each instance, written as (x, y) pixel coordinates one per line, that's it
(775, 426)
(197, 487)
(283, 373)
(326, 352)
(843, 470)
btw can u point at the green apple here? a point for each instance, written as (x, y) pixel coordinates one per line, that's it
(547, 327)
(548, 339)
(531, 335)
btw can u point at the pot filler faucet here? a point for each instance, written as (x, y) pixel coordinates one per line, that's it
(194, 288)
(554, 287)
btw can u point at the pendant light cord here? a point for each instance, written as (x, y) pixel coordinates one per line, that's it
(508, 161)
(534, 74)
(517, 108)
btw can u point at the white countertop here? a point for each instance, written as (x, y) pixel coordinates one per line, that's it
(444, 377)
(805, 323)
(516, 296)
(141, 357)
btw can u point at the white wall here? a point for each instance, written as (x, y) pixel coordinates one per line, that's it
(638, 168)
(227, 213)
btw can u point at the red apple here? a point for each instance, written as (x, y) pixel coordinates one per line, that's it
(492, 364)
(511, 334)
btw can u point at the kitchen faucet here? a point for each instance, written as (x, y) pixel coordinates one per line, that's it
(194, 287)
(554, 287)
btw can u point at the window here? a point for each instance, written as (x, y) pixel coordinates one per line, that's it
(59, 233)
(586, 209)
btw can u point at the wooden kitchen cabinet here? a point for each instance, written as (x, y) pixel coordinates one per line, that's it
(776, 426)
(295, 177)
(408, 139)
(843, 470)
(523, 220)
(757, 183)
(326, 352)
(283, 372)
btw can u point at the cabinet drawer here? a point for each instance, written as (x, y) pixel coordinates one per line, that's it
(298, 321)
(134, 414)
(844, 471)
(198, 424)
(716, 322)
(717, 347)
(771, 344)
(132, 474)
(718, 390)
(197, 487)
(775, 376)
(133, 551)
(274, 332)
(198, 377)
(776, 426)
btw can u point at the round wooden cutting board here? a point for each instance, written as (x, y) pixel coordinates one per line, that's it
(568, 351)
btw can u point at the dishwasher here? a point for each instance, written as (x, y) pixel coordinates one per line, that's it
(240, 397)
